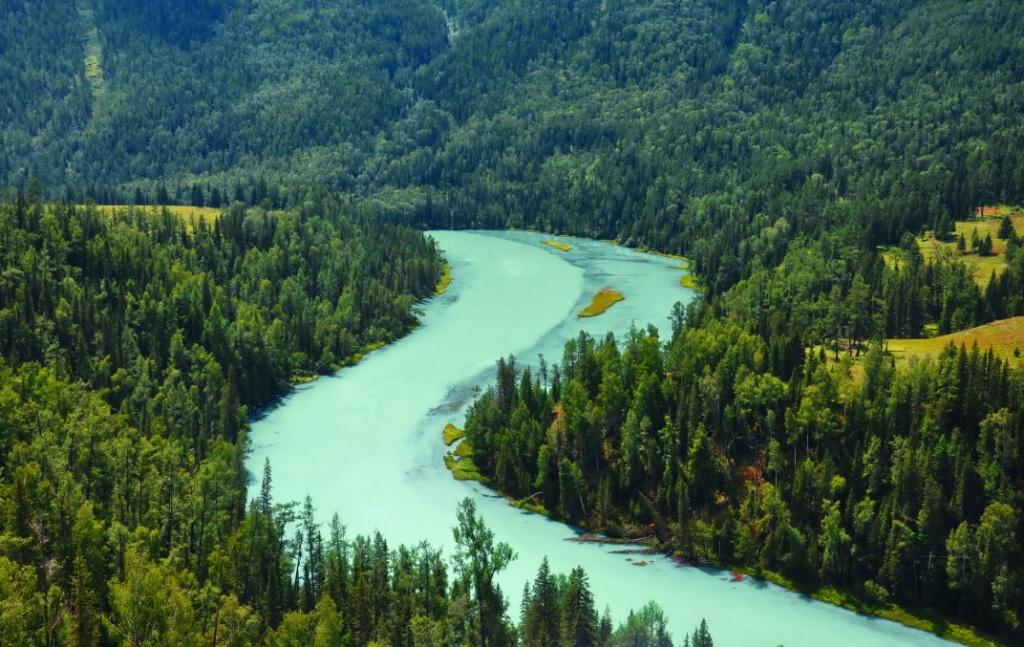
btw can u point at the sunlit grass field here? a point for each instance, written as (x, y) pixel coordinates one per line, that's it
(986, 223)
(189, 214)
(1005, 337)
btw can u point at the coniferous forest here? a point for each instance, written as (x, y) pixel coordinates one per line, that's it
(134, 345)
(782, 146)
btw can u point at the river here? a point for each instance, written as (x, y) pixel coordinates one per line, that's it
(366, 444)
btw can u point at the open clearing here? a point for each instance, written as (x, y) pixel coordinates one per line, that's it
(188, 214)
(1005, 337)
(981, 267)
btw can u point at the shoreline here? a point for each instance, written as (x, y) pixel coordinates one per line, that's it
(302, 378)
(922, 621)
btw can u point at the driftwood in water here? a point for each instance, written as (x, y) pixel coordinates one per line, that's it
(591, 538)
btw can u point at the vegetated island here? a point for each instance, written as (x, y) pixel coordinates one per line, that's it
(459, 461)
(451, 434)
(603, 300)
(565, 247)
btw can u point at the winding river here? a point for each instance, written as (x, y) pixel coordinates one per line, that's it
(366, 442)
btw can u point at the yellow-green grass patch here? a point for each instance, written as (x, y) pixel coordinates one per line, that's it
(93, 51)
(565, 247)
(981, 267)
(1005, 337)
(988, 227)
(892, 256)
(528, 505)
(444, 281)
(463, 450)
(689, 281)
(451, 433)
(303, 377)
(600, 302)
(189, 215)
(369, 348)
(460, 464)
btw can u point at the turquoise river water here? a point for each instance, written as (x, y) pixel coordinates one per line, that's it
(366, 443)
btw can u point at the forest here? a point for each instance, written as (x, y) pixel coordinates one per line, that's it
(681, 127)
(133, 348)
(777, 144)
(774, 433)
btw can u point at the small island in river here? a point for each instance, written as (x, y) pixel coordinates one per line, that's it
(603, 300)
(565, 247)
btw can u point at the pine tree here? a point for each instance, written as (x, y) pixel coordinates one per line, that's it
(1005, 228)
(541, 624)
(701, 636)
(579, 618)
(984, 245)
(479, 559)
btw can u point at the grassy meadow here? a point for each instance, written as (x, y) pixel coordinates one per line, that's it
(1005, 337)
(190, 215)
(986, 222)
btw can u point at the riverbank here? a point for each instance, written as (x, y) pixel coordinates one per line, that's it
(921, 620)
(308, 378)
(445, 281)
(924, 621)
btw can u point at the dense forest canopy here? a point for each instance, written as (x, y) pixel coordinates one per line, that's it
(777, 144)
(684, 126)
(900, 485)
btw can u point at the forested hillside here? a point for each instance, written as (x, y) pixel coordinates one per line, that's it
(679, 126)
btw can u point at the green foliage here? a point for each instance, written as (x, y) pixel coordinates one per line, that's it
(648, 626)
(900, 479)
(768, 141)
(725, 129)
(138, 304)
(477, 560)
(130, 346)
(1006, 229)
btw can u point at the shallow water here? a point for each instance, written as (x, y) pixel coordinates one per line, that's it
(366, 442)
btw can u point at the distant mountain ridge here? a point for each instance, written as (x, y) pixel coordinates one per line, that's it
(683, 126)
